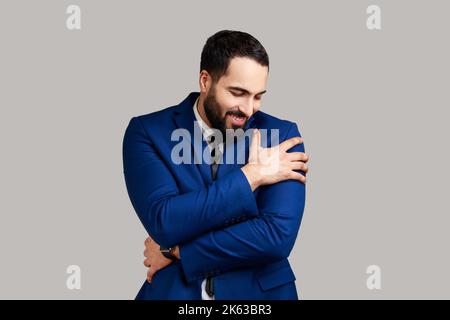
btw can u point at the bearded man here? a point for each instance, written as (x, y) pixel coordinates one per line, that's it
(218, 229)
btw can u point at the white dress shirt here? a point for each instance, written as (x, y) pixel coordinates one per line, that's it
(206, 132)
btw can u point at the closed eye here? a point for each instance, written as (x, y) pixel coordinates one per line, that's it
(237, 94)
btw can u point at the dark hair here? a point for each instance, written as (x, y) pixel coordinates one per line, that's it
(221, 47)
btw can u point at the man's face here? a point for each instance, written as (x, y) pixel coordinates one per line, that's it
(231, 101)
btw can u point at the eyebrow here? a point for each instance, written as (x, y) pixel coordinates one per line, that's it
(244, 90)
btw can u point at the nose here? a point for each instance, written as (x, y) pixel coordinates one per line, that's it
(247, 108)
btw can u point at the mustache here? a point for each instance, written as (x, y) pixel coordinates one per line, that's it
(237, 114)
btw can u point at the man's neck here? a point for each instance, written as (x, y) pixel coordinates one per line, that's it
(201, 109)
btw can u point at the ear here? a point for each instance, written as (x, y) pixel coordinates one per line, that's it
(205, 81)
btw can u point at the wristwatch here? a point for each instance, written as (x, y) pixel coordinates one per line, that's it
(168, 253)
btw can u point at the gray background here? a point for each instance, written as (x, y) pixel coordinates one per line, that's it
(371, 105)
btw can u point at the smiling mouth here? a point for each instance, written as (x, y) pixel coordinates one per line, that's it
(237, 120)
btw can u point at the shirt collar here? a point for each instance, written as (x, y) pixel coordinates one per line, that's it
(206, 130)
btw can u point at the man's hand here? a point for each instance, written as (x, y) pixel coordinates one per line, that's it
(155, 260)
(271, 165)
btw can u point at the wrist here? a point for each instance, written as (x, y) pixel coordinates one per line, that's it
(171, 253)
(176, 252)
(252, 173)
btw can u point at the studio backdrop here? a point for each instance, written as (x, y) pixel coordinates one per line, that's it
(365, 81)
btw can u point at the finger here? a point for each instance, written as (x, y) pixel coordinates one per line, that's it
(258, 144)
(297, 176)
(289, 143)
(255, 142)
(258, 138)
(254, 146)
(298, 156)
(150, 275)
(299, 165)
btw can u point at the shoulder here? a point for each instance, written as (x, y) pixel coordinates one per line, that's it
(286, 128)
(156, 118)
(152, 122)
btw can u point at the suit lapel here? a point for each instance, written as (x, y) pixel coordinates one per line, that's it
(225, 167)
(185, 118)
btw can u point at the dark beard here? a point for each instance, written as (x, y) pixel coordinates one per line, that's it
(212, 111)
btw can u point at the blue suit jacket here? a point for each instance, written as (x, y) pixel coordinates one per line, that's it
(241, 238)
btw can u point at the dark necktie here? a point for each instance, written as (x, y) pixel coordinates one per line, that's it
(209, 288)
(215, 160)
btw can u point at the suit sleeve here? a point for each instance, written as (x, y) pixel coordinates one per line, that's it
(269, 237)
(169, 217)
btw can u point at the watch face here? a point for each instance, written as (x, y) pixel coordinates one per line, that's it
(169, 255)
(167, 252)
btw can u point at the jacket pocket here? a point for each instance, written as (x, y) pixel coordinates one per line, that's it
(276, 276)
